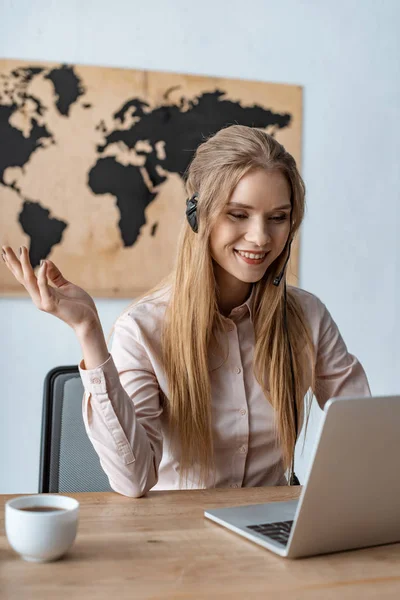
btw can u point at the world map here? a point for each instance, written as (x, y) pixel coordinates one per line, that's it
(163, 138)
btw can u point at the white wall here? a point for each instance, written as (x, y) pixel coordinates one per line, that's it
(346, 55)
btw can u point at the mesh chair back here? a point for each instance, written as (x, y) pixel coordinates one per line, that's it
(68, 461)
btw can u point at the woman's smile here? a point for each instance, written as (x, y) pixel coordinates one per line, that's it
(251, 258)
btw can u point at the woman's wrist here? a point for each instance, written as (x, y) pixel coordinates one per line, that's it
(93, 344)
(88, 329)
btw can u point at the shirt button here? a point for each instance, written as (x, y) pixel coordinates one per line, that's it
(243, 411)
(95, 380)
(243, 449)
(238, 370)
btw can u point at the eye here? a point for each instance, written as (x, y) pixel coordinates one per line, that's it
(238, 215)
(279, 218)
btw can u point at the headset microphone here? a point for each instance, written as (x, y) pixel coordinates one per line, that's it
(279, 277)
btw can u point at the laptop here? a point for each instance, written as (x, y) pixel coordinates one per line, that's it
(351, 496)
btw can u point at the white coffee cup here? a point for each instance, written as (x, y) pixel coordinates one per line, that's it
(41, 536)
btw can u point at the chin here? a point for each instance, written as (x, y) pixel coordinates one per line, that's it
(249, 278)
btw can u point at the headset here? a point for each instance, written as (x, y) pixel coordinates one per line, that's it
(191, 212)
(191, 215)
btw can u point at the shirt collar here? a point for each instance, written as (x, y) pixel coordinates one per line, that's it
(247, 306)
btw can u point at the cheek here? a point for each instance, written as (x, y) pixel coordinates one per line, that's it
(222, 237)
(281, 237)
(214, 242)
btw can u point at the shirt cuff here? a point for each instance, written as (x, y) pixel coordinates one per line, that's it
(96, 381)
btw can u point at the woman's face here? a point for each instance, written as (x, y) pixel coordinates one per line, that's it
(253, 228)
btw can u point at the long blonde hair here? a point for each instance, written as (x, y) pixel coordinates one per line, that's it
(192, 319)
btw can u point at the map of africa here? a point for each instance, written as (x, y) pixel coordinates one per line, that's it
(92, 162)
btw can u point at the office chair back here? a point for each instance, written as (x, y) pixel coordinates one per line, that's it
(68, 461)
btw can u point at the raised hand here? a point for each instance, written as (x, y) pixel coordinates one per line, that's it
(62, 298)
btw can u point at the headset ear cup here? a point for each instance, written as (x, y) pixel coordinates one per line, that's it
(192, 219)
(191, 212)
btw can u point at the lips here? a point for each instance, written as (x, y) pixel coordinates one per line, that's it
(252, 255)
(251, 258)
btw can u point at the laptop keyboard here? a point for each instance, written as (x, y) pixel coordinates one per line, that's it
(279, 531)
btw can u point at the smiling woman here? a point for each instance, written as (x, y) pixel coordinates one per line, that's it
(207, 375)
(253, 230)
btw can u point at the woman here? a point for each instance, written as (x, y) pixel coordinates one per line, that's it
(207, 376)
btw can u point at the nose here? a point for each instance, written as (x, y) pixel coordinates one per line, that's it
(258, 232)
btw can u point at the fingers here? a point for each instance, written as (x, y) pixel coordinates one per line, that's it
(30, 281)
(22, 271)
(38, 288)
(47, 300)
(13, 263)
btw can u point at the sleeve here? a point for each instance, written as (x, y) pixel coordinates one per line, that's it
(337, 372)
(121, 413)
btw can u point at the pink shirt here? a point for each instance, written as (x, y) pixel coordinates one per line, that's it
(124, 417)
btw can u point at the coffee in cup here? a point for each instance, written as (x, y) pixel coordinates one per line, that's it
(42, 508)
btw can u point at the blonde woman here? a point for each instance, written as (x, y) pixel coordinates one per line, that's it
(207, 376)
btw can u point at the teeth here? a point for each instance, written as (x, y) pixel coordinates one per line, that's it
(251, 255)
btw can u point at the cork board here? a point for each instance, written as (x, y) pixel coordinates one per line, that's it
(92, 158)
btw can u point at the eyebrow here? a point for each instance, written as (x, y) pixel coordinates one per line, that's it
(241, 205)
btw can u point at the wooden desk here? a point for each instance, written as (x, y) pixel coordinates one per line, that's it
(161, 546)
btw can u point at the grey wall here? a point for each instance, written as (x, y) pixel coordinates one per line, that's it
(346, 55)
